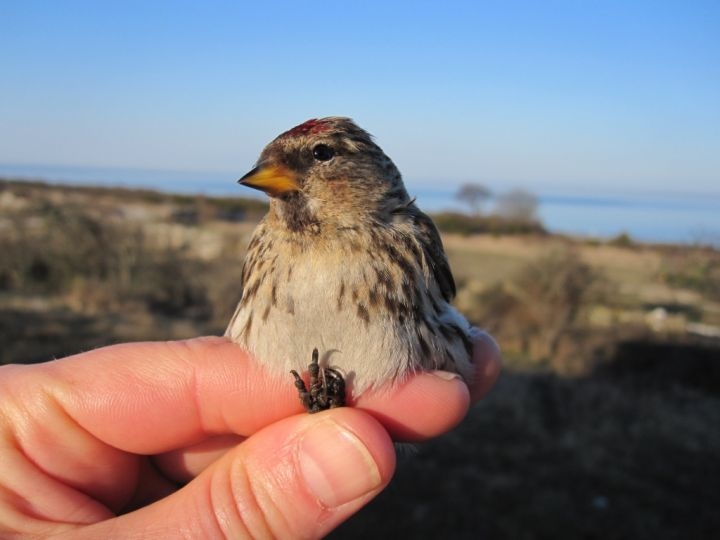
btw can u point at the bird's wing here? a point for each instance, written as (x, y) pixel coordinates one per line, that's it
(432, 246)
(247, 268)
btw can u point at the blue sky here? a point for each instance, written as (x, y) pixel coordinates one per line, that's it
(579, 96)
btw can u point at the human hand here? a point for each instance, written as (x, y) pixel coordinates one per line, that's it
(191, 438)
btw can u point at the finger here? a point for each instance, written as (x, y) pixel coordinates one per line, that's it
(150, 398)
(184, 464)
(78, 424)
(179, 392)
(186, 391)
(300, 477)
(152, 485)
(487, 359)
(433, 403)
(425, 406)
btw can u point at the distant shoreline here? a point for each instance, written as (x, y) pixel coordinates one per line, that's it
(653, 218)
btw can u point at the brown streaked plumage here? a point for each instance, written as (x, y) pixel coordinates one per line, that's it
(345, 262)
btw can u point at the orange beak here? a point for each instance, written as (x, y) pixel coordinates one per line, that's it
(272, 179)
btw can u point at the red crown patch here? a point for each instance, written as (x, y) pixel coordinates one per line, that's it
(311, 127)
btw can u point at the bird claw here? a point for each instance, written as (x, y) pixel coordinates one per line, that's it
(326, 389)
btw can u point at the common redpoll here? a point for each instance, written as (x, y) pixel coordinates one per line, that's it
(344, 262)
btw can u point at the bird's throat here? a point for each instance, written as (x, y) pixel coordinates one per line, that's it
(293, 211)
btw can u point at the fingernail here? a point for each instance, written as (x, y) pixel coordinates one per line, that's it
(336, 465)
(446, 375)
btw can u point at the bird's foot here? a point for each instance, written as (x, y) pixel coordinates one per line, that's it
(326, 389)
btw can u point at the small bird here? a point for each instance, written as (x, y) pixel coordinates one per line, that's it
(344, 267)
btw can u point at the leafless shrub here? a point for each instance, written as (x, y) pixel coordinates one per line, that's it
(693, 268)
(534, 311)
(99, 264)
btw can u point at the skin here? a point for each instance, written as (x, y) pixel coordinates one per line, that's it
(195, 439)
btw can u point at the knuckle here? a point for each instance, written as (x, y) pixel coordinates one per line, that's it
(243, 508)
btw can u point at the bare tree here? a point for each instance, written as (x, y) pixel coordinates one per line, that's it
(473, 195)
(518, 204)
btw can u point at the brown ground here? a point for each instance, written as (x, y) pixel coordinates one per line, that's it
(614, 436)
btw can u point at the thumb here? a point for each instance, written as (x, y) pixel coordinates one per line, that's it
(297, 478)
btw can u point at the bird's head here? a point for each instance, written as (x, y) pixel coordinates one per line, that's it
(326, 170)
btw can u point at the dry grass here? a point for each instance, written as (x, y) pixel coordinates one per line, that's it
(631, 266)
(635, 275)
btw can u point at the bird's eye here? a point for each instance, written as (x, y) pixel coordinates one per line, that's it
(322, 152)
